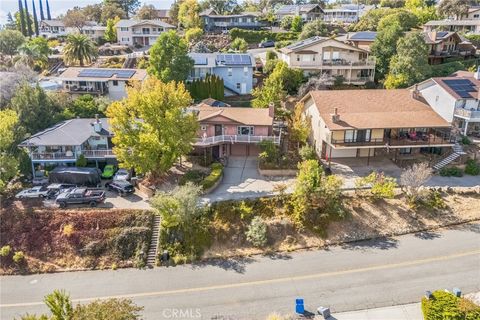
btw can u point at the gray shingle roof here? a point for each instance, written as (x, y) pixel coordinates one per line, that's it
(132, 22)
(72, 132)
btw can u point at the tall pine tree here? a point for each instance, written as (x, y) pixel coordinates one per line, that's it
(27, 20)
(49, 17)
(35, 20)
(22, 19)
(42, 17)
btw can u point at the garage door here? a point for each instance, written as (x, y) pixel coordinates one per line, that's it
(238, 149)
(253, 150)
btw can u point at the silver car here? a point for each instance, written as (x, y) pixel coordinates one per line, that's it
(35, 192)
(122, 174)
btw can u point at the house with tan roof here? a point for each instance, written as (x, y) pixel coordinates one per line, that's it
(111, 83)
(447, 44)
(369, 123)
(456, 99)
(226, 131)
(331, 59)
(140, 32)
(308, 12)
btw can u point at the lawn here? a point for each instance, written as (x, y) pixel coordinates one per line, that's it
(58, 240)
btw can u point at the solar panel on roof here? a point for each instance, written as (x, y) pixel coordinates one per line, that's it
(464, 94)
(106, 73)
(127, 74)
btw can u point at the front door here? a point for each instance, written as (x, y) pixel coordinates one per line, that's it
(218, 130)
(243, 88)
(216, 152)
(146, 41)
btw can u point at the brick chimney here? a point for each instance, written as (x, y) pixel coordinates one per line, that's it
(415, 92)
(335, 116)
(271, 110)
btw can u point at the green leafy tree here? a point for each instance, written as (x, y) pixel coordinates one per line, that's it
(8, 136)
(453, 8)
(193, 35)
(28, 20)
(286, 22)
(410, 64)
(75, 18)
(221, 6)
(168, 58)
(239, 45)
(257, 232)
(111, 32)
(297, 24)
(312, 29)
(35, 20)
(111, 11)
(385, 47)
(10, 41)
(35, 52)
(188, 14)
(146, 12)
(423, 10)
(128, 6)
(381, 185)
(79, 49)
(405, 19)
(18, 19)
(85, 106)
(151, 126)
(35, 109)
(299, 126)
(93, 12)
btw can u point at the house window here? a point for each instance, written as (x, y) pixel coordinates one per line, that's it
(245, 131)
(123, 29)
(203, 127)
(125, 39)
(115, 83)
(238, 85)
(298, 57)
(405, 150)
(476, 15)
(357, 135)
(229, 72)
(326, 55)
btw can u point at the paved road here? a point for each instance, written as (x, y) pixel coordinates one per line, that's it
(356, 276)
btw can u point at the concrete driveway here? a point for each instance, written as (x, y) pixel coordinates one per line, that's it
(241, 180)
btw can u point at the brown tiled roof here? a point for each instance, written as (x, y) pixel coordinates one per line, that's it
(374, 109)
(247, 116)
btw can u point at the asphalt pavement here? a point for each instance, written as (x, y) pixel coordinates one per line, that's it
(369, 274)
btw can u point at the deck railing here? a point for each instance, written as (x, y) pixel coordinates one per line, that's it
(206, 141)
(98, 153)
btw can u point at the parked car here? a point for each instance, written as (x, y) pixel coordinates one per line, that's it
(123, 187)
(40, 181)
(35, 192)
(109, 171)
(80, 176)
(81, 196)
(122, 174)
(266, 44)
(54, 189)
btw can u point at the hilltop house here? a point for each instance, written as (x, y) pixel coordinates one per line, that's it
(445, 44)
(140, 32)
(56, 28)
(368, 123)
(455, 99)
(463, 26)
(62, 144)
(213, 22)
(346, 13)
(236, 70)
(308, 12)
(102, 81)
(330, 58)
(233, 131)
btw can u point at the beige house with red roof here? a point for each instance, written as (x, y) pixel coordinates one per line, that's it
(226, 131)
(367, 123)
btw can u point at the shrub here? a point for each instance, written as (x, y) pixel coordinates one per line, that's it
(213, 177)
(94, 248)
(239, 45)
(465, 140)
(194, 176)
(142, 63)
(472, 168)
(193, 34)
(18, 257)
(253, 36)
(68, 230)
(434, 200)
(270, 55)
(444, 305)
(130, 240)
(5, 251)
(257, 232)
(81, 161)
(451, 172)
(307, 153)
(381, 186)
(283, 43)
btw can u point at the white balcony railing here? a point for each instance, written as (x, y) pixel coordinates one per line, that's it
(98, 153)
(467, 114)
(206, 141)
(69, 155)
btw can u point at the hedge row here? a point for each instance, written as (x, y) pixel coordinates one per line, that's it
(213, 177)
(444, 305)
(253, 36)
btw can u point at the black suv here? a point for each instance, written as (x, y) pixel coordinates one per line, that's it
(123, 187)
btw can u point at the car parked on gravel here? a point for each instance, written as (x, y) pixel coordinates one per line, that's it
(109, 171)
(123, 187)
(81, 196)
(35, 192)
(122, 174)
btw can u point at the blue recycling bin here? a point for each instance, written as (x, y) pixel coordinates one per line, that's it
(299, 306)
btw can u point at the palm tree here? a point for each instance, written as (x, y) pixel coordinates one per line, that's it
(31, 55)
(60, 305)
(79, 48)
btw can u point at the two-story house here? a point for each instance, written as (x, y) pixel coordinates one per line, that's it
(52, 28)
(94, 32)
(456, 99)
(235, 69)
(111, 83)
(62, 144)
(471, 26)
(232, 131)
(445, 44)
(346, 13)
(368, 123)
(308, 12)
(214, 22)
(140, 32)
(330, 58)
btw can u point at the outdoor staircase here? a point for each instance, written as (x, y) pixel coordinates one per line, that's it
(153, 249)
(129, 62)
(457, 153)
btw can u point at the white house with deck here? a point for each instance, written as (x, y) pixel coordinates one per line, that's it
(140, 32)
